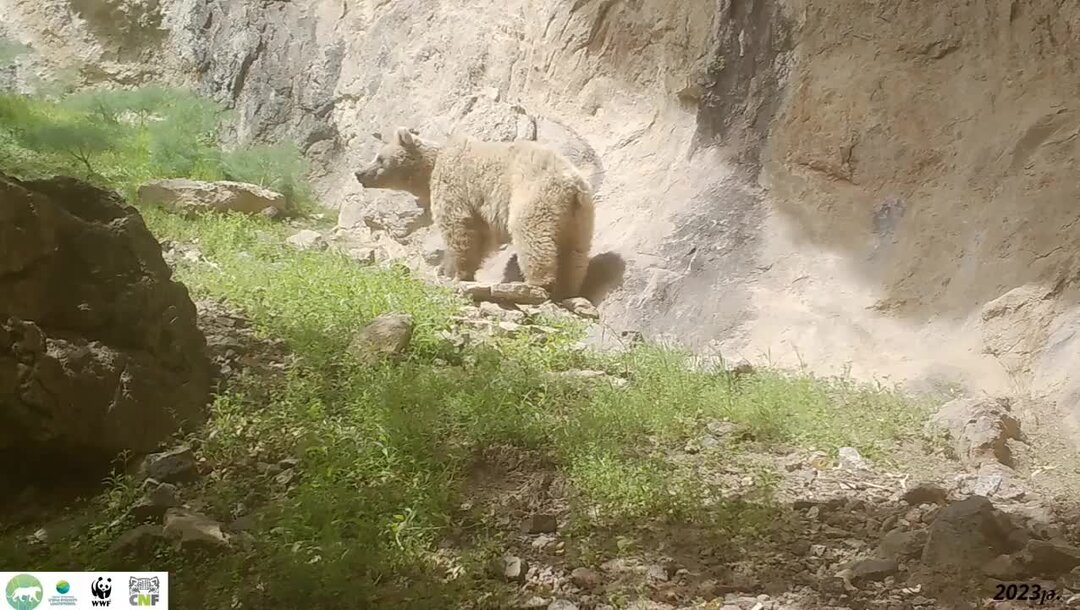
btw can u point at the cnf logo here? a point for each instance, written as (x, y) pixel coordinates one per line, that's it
(144, 591)
(101, 589)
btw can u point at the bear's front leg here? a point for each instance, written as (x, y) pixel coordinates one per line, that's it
(466, 242)
(447, 266)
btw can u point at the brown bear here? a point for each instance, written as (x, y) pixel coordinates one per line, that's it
(482, 195)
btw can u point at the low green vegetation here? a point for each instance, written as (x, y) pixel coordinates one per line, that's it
(384, 509)
(122, 138)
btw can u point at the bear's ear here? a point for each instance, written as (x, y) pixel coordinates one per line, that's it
(377, 136)
(406, 138)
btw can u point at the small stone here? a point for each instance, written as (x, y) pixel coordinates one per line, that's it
(307, 240)
(533, 603)
(993, 480)
(433, 249)
(562, 604)
(519, 293)
(474, 290)
(153, 505)
(900, 544)
(386, 335)
(925, 493)
(494, 310)
(285, 478)
(174, 466)
(139, 542)
(872, 570)
(366, 256)
(740, 370)
(745, 581)
(511, 568)
(542, 523)
(543, 541)
(800, 548)
(509, 327)
(581, 306)
(585, 578)
(851, 460)
(721, 428)
(656, 574)
(708, 589)
(194, 531)
(398, 223)
(987, 484)
(1004, 567)
(1050, 559)
(165, 494)
(242, 524)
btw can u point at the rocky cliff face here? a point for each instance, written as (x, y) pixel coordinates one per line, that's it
(884, 186)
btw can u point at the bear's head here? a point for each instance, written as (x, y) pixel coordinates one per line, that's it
(402, 164)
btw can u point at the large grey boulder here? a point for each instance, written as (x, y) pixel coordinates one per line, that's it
(981, 429)
(99, 347)
(181, 195)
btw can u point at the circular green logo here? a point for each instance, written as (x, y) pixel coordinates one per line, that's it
(63, 587)
(24, 592)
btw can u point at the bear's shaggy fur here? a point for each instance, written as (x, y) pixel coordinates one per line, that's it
(485, 194)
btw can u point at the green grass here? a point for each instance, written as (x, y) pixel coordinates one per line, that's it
(124, 138)
(385, 451)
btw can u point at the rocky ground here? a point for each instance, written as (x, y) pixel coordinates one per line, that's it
(944, 525)
(941, 529)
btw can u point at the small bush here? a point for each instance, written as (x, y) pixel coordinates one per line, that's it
(279, 167)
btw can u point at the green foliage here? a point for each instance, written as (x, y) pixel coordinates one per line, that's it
(279, 167)
(79, 139)
(121, 138)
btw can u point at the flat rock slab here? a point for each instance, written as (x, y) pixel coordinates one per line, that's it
(181, 195)
(516, 293)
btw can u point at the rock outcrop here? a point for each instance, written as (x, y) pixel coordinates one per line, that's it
(99, 348)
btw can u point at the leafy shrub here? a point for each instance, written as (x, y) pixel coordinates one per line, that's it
(279, 167)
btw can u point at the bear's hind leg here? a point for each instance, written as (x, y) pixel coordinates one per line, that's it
(573, 266)
(575, 247)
